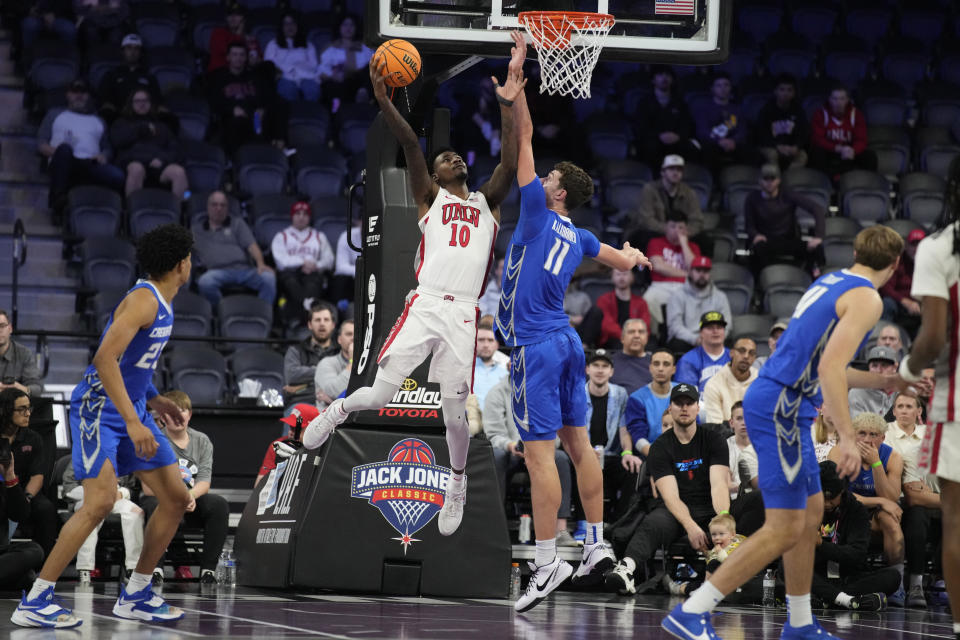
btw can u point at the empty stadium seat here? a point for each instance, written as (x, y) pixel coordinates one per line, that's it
(921, 198)
(840, 226)
(865, 196)
(108, 263)
(172, 67)
(814, 22)
(870, 22)
(838, 251)
(94, 211)
(699, 178)
(192, 112)
(754, 326)
(759, 20)
(308, 123)
(244, 316)
(261, 364)
(201, 370)
(319, 172)
(102, 305)
(891, 144)
(260, 169)
(194, 315)
(783, 285)
(204, 163)
(903, 227)
(149, 208)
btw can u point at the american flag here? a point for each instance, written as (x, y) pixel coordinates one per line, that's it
(673, 7)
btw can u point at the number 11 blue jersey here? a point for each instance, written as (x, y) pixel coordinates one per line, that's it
(545, 250)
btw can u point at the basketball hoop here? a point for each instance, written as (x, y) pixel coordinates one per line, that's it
(568, 45)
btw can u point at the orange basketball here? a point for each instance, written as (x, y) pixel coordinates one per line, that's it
(403, 62)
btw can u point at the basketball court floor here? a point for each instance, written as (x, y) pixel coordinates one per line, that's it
(253, 613)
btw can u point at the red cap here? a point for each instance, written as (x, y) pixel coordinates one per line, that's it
(701, 262)
(306, 411)
(297, 207)
(916, 235)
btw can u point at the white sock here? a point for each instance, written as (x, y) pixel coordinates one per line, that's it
(39, 586)
(798, 610)
(843, 600)
(916, 580)
(703, 599)
(138, 582)
(594, 533)
(546, 552)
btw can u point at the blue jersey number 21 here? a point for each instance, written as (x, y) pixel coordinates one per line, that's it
(555, 258)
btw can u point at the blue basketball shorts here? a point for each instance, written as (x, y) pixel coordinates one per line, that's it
(99, 433)
(549, 385)
(779, 423)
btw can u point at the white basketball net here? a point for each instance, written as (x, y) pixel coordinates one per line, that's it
(568, 45)
(408, 511)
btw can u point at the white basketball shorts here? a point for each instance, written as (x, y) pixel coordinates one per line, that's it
(940, 451)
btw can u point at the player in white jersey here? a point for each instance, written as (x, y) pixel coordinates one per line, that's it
(936, 284)
(453, 259)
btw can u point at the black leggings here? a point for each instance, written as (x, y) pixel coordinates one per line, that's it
(212, 514)
(18, 562)
(885, 580)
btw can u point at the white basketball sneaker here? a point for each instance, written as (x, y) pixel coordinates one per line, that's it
(597, 560)
(323, 425)
(453, 503)
(542, 582)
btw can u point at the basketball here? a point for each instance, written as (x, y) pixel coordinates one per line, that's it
(403, 62)
(411, 450)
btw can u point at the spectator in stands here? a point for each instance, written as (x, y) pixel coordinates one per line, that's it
(241, 101)
(286, 445)
(775, 332)
(878, 485)
(838, 138)
(131, 524)
(75, 143)
(689, 468)
(744, 465)
(501, 430)
(631, 365)
(664, 123)
(686, 307)
(889, 336)
(206, 510)
(487, 372)
(333, 372)
(27, 447)
(301, 360)
(19, 561)
(824, 436)
(782, 129)
(843, 539)
(234, 32)
(146, 147)
(921, 503)
(343, 65)
(490, 299)
(883, 361)
(613, 309)
(18, 364)
(295, 60)
(304, 259)
(727, 387)
(577, 305)
(102, 21)
(721, 128)
(661, 198)
(605, 417)
(224, 246)
(770, 218)
(49, 18)
(700, 364)
(670, 257)
(120, 82)
(898, 306)
(340, 289)
(645, 406)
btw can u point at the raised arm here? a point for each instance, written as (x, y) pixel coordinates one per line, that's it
(424, 189)
(496, 189)
(523, 126)
(624, 259)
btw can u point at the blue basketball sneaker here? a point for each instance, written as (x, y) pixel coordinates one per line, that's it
(144, 605)
(43, 611)
(807, 632)
(689, 626)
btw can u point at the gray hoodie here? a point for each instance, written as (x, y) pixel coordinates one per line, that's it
(685, 308)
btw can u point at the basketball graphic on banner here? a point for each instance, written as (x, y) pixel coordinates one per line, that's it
(411, 450)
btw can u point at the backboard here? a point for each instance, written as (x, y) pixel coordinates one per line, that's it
(671, 31)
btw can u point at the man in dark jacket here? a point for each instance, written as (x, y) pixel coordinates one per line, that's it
(119, 83)
(664, 123)
(782, 128)
(240, 99)
(840, 575)
(300, 361)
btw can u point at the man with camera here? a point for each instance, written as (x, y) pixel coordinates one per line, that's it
(18, 365)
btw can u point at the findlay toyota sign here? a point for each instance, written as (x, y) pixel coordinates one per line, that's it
(412, 401)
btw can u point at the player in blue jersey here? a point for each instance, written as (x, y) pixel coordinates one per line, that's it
(114, 434)
(809, 367)
(548, 367)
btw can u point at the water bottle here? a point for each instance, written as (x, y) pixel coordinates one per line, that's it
(514, 580)
(599, 451)
(230, 565)
(769, 583)
(523, 536)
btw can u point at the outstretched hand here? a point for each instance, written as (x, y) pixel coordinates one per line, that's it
(636, 255)
(515, 83)
(378, 77)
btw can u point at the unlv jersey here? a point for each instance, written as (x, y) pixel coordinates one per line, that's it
(456, 248)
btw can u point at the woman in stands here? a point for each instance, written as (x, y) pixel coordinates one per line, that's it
(343, 63)
(295, 60)
(146, 148)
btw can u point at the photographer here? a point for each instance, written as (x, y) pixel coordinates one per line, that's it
(27, 446)
(18, 562)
